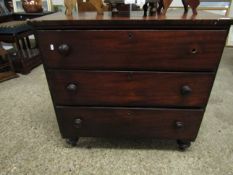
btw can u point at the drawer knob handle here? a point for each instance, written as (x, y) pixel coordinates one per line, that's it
(78, 123)
(130, 35)
(71, 87)
(179, 124)
(194, 51)
(186, 90)
(64, 49)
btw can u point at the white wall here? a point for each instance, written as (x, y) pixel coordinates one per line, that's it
(230, 36)
(177, 3)
(57, 2)
(231, 10)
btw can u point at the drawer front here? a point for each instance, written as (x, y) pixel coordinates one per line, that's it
(133, 50)
(137, 122)
(130, 88)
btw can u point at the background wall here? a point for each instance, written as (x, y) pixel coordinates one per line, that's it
(57, 2)
(230, 36)
(177, 3)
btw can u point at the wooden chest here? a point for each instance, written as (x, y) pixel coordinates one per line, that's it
(131, 76)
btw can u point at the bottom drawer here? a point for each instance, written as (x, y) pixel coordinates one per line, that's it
(129, 122)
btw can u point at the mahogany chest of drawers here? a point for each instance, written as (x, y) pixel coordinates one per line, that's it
(131, 76)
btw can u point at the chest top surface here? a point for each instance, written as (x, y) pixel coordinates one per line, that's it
(174, 18)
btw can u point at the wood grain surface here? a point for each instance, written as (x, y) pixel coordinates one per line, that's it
(183, 50)
(107, 88)
(129, 122)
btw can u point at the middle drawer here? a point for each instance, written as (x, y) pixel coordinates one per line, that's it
(124, 88)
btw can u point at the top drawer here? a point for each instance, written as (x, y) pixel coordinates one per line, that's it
(173, 50)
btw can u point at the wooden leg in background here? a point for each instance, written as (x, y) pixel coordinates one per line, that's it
(185, 6)
(193, 5)
(99, 6)
(153, 8)
(160, 6)
(194, 11)
(166, 5)
(145, 8)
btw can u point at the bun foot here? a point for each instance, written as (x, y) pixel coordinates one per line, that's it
(72, 141)
(183, 144)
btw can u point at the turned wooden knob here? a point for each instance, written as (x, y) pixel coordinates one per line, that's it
(78, 123)
(179, 124)
(186, 90)
(71, 87)
(130, 36)
(64, 49)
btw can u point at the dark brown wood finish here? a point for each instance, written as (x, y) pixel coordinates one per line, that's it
(192, 50)
(6, 67)
(173, 19)
(125, 122)
(131, 76)
(130, 88)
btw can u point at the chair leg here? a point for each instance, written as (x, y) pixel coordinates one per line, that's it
(28, 43)
(21, 52)
(18, 47)
(23, 43)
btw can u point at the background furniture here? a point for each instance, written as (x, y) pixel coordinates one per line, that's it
(87, 6)
(14, 29)
(223, 7)
(131, 76)
(17, 4)
(9, 5)
(25, 57)
(6, 68)
(210, 5)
